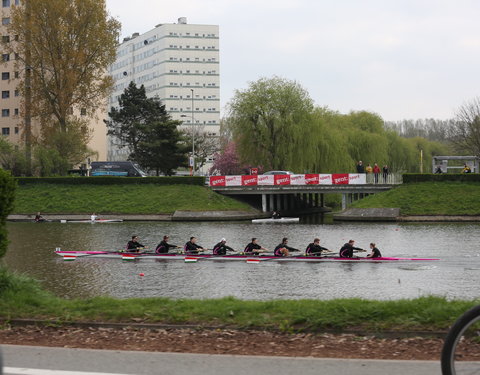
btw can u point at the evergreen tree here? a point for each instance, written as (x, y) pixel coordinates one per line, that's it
(143, 125)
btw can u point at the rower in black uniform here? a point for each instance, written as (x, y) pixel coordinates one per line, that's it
(252, 247)
(221, 248)
(191, 246)
(163, 247)
(134, 246)
(347, 250)
(375, 252)
(314, 249)
(283, 250)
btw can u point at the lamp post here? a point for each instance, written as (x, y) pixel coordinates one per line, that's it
(193, 137)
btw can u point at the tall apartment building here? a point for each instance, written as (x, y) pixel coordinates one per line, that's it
(179, 64)
(10, 102)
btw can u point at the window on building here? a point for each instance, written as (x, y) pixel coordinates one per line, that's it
(5, 131)
(6, 57)
(17, 93)
(83, 112)
(6, 21)
(17, 75)
(17, 2)
(5, 38)
(5, 113)
(5, 3)
(16, 56)
(5, 94)
(16, 130)
(5, 76)
(16, 111)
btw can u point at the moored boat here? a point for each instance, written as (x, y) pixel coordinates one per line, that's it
(277, 221)
(69, 254)
(93, 221)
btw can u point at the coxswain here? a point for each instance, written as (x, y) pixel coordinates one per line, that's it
(191, 246)
(163, 247)
(283, 250)
(252, 247)
(134, 246)
(93, 217)
(221, 248)
(375, 252)
(314, 249)
(347, 250)
(39, 218)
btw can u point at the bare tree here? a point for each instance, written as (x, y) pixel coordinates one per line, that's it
(206, 145)
(465, 132)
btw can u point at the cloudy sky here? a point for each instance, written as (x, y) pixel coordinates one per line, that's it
(399, 58)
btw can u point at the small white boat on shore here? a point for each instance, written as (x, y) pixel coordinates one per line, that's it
(281, 220)
(99, 221)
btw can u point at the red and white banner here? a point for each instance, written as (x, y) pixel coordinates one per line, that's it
(233, 180)
(357, 179)
(340, 179)
(266, 179)
(295, 179)
(282, 179)
(217, 181)
(251, 180)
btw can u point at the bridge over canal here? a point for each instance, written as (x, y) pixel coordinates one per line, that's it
(280, 195)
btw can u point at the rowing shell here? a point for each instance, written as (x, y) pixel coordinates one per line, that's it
(93, 221)
(277, 221)
(237, 257)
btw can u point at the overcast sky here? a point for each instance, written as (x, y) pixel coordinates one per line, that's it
(399, 58)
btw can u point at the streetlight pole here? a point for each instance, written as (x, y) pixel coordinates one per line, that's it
(193, 137)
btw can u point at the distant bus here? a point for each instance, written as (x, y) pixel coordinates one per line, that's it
(116, 168)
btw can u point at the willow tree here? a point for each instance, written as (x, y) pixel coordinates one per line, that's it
(63, 49)
(465, 132)
(270, 122)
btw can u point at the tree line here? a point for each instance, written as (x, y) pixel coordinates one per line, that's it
(274, 124)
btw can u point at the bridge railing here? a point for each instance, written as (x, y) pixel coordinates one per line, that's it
(305, 179)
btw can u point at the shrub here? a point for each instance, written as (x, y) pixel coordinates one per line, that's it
(111, 180)
(7, 197)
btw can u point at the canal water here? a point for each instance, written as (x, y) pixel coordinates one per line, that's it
(456, 275)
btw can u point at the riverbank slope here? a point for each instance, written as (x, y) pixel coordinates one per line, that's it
(145, 199)
(428, 199)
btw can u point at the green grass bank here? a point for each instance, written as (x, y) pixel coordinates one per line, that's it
(428, 198)
(22, 297)
(120, 199)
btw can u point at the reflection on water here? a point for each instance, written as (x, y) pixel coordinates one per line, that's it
(455, 276)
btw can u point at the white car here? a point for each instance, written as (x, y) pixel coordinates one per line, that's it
(279, 172)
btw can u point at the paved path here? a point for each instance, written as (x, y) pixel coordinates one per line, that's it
(29, 360)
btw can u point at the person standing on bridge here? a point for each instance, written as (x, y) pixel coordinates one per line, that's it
(385, 173)
(376, 172)
(360, 167)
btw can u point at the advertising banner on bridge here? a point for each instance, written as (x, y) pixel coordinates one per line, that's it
(233, 180)
(311, 179)
(282, 179)
(357, 179)
(340, 179)
(217, 181)
(325, 179)
(251, 180)
(297, 179)
(266, 179)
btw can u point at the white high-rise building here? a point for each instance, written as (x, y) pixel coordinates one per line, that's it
(179, 64)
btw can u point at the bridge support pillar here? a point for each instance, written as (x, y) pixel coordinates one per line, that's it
(272, 202)
(344, 201)
(322, 200)
(279, 202)
(264, 203)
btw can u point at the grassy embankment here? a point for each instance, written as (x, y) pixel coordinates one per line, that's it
(429, 198)
(21, 297)
(121, 199)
